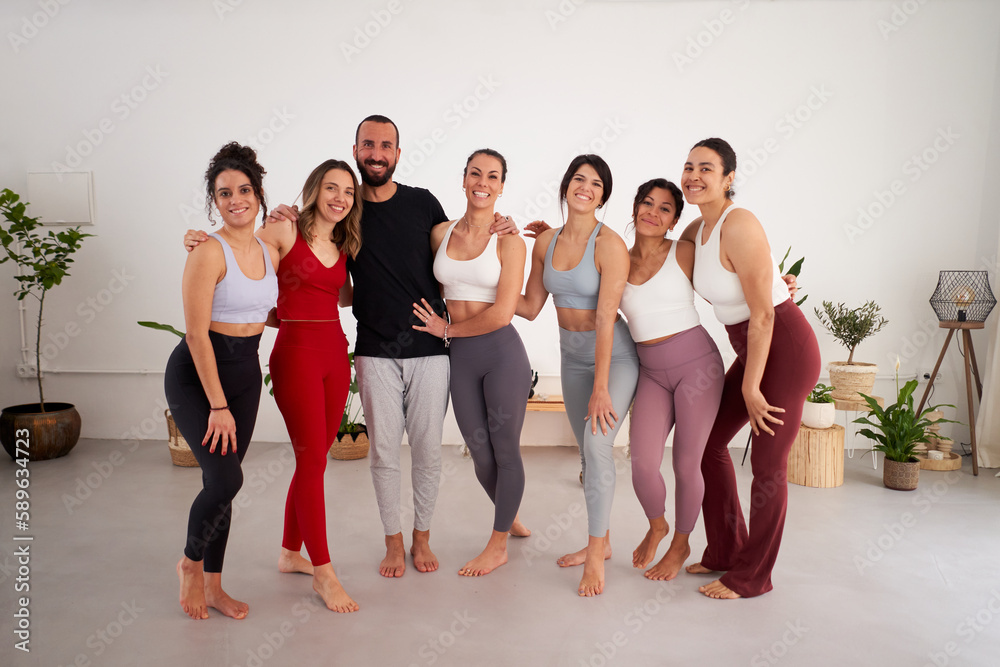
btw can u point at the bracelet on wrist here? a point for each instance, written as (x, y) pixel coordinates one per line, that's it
(224, 407)
(447, 342)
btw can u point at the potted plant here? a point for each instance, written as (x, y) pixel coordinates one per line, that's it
(818, 411)
(794, 270)
(352, 436)
(896, 431)
(180, 451)
(43, 261)
(850, 326)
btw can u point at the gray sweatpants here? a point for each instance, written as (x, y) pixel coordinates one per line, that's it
(410, 395)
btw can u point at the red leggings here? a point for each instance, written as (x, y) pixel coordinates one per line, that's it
(793, 365)
(311, 376)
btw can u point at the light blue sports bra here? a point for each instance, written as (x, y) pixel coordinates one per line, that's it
(578, 287)
(242, 300)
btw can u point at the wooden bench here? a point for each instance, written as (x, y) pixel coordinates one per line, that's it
(553, 403)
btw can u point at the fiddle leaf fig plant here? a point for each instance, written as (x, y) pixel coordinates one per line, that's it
(42, 259)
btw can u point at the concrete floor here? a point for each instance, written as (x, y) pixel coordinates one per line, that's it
(866, 576)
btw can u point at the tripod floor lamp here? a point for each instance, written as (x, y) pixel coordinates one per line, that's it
(962, 301)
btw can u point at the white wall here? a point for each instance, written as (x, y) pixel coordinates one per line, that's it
(825, 103)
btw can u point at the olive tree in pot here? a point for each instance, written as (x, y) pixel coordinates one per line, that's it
(850, 326)
(43, 260)
(896, 431)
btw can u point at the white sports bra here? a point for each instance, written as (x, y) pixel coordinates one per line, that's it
(663, 305)
(721, 287)
(471, 279)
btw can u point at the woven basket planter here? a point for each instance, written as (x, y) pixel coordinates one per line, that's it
(849, 379)
(901, 476)
(350, 446)
(180, 451)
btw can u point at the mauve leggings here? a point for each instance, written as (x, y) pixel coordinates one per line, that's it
(793, 365)
(680, 383)
(490, 381)
(311, 376)
(221, 476)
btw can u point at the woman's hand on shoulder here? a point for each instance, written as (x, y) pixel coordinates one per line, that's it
(503, 225)
(193, 238)
(534, 229)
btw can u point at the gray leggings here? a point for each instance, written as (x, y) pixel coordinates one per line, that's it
(490, 381)
(596, 451)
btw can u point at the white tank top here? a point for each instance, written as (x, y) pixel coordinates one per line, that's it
(721, 287)
(663, 305)
(468, 280)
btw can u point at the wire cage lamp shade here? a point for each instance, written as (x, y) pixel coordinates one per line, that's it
(963, 296)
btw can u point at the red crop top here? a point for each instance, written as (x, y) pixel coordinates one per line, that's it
(307, 290)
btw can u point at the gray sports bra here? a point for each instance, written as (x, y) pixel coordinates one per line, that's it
(578, 287)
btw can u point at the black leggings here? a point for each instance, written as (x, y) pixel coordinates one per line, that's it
(490, 381)
(222, 476)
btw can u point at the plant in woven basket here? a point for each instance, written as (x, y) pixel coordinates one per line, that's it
(850, 326)
(898, 428)
(349, 422)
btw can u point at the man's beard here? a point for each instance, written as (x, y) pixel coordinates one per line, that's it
(376, 181)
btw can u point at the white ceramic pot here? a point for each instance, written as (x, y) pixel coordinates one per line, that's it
(818, 415)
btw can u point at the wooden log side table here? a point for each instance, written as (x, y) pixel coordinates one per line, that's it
(855, 408)
(817, 457)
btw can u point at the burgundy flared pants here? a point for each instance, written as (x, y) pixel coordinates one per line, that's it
(793, 366)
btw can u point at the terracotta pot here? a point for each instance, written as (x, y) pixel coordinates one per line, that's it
(849, 379)
(819, 415)
(49, 434)
(901, 476)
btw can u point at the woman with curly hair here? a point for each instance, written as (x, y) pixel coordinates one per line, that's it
(213, 380)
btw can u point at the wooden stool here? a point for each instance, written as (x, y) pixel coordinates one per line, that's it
(817, 457)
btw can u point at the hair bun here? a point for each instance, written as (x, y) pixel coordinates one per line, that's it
(238, 152)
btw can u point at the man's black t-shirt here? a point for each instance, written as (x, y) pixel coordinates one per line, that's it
(393, 271)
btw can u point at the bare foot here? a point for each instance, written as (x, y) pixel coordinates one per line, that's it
(698, 568)
(293, 561)
(671, 563)
(192, 578)
(493, 556)
(646, 551)
(592, 582)
(423, 558)
(218, 599)
(578, 557)
(518, 529)
(484, 563)
(718, 591)
(325, 583)
(394, 563)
